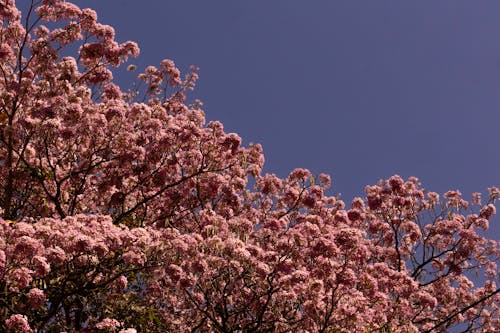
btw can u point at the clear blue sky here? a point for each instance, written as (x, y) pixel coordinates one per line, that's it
(360, 90)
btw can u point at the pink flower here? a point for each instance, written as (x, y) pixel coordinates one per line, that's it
(169, 67)
(83, 243)
(433, 197)
(396, 182)
(476, 198)
(3, 260)
(88, 18)
(325, 180)
(18, 323)
(36, 297)
(452, 194)
(132, 257)
(56, 255)
(21, 277)
(309, 201)
(494, 192)
(108, 324)
(42, 268)
(6, 52)
(121, 283)
(270, 184)
(488, 211)
(300, 174)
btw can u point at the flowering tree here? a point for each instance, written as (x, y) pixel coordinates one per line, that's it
(124, 211)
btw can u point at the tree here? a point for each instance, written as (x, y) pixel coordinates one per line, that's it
(124, 210)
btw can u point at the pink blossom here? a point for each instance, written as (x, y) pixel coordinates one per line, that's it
(36, 297)
(300, 174)
(121, 283)
(6, 52)
(433, 196)
(476, 198)
(56, 255)
(42, 268)
(21, 277)
(488, 211)
(494, 193)
(134, 258)
(396, 182)
(18, 323)
(108, 324)
(3, 260)
(82, 243)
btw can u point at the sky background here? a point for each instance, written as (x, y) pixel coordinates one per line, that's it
(360, 90)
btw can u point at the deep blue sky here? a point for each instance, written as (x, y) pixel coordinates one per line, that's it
(360, 90)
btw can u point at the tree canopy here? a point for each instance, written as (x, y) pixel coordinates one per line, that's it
(123, 210)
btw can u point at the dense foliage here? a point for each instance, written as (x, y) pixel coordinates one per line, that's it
(124, 211)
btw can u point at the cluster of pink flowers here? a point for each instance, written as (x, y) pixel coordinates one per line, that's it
(18, 323)
(124, 211)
